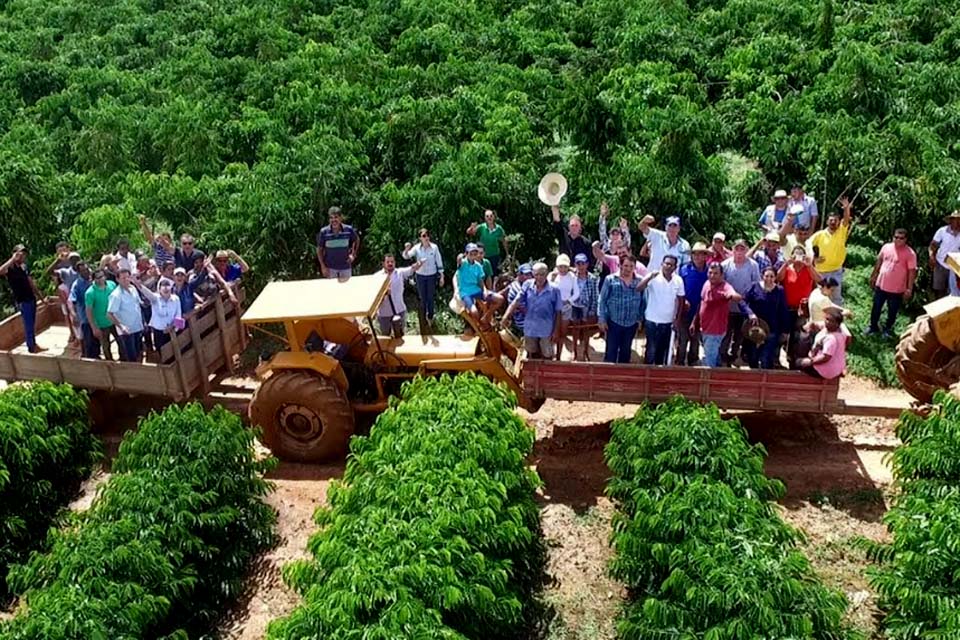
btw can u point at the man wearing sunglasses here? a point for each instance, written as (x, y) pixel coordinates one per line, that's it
(893, 277)
(184, 255)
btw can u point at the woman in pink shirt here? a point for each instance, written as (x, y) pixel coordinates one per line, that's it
(828, 356)
(894, 274)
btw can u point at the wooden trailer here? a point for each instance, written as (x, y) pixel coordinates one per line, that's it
(740, 389)
(185, 366)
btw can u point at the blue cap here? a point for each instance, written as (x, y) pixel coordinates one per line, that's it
(673, 220)
(581, 258)
(471, 246)
(525, 269)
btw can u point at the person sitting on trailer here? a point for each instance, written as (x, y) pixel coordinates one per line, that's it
(828, 355)
(543, 305)
(470, 287)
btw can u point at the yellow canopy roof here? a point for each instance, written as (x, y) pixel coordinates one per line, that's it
(357, 296)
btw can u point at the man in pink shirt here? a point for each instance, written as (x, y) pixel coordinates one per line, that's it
(894, 274)
(828, 356)
(712, 320)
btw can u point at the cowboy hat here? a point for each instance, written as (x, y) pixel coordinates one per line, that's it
(699, 247)
(954, 214)
(552, 188)
(756, 333)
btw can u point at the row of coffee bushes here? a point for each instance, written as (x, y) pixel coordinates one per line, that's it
(698, 542)
(165, 544)
(434, 531)
(46, 449)
(918, 579)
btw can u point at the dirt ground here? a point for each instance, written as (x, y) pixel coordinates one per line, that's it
(838, 488)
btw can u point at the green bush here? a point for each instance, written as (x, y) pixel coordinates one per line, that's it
(46, 449)
(918, 577)
(698, 542)
(434, 532)
(165, 544)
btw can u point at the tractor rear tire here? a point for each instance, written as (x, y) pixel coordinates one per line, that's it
(919, 345)
(304, 416)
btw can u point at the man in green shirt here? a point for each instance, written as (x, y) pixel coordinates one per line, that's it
(492, 236)
(97, 298)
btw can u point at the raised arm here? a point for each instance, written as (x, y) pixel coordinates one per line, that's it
(145, 228)
(9, 263)
(604, 238)
(244, 267)
(645, 224)
(847, 210)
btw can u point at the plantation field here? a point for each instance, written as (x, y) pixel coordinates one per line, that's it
(838, 486)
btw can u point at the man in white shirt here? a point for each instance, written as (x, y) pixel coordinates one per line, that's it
(809, 215)
(393, 311)
(124, 312)
(664, 243)
(945, 241)
(665, 294)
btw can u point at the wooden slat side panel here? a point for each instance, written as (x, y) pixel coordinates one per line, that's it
(11, 333)
(633, 384)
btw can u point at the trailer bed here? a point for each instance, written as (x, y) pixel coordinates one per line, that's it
(213, 337)
(728, 388)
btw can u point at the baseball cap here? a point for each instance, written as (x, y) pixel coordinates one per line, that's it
(581, 258)
(563, 260)
(673, 220)
(180, 270)
(471, 246)
(20, 247)
(525, 269)
(73, 254)
(740, 242)
(779, 193)
(719, 236)
(773, 236)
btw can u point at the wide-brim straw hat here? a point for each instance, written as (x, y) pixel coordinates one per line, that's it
(952, 215)
(551, 189)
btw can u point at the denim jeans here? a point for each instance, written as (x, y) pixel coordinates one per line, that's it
(733, 340)
(619, 342)
(427, 288)
(131, 346)
(711, 349)
(880, 298)
(28, 313)
(658, 342)
(91, 346)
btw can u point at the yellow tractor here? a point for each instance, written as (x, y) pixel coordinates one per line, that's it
(338, 371)
(928, 355)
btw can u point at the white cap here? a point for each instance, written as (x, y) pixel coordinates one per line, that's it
(563, 260)
(779, 193)
(719, 236)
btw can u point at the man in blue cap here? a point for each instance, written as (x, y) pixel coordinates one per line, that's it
(524, 273)
(469, 285)
(665, 243)
(585, 308)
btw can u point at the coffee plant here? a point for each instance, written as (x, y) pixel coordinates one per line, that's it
(434, 531)
(165, 544)
(919, 574)
(698, 542)
(46, 449)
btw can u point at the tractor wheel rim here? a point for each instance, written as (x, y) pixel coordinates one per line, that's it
(300, 422)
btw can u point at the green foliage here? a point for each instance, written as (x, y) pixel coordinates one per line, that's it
(96, 230)
(46, 449)
(167, 541)
(699, 544)
(917, 580)
(434, 531)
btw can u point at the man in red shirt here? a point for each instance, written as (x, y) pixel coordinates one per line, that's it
(894, 274)
(798, 277)
(711, 321)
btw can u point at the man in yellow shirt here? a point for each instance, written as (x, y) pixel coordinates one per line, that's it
(829, 248)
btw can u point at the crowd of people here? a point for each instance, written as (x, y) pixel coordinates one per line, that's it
(773, 303)
(777, 302)
(132, 298)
